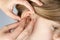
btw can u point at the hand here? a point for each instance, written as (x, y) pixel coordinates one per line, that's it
(27, 32)
(7, 6)
(17, 31)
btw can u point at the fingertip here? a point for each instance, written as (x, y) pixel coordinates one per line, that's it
(17, 18)
(29, 6)
(32, 11)
(39, 3)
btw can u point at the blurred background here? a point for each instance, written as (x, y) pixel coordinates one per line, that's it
(5, 20)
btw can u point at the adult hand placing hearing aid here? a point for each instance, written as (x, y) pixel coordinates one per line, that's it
(19, 30)
(7, 6)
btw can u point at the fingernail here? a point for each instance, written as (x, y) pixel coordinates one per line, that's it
(40, 4)
(18, 19)
(32, 12)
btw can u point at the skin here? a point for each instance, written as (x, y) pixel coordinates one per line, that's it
(8, 5)
(16, 31)
(57, 34)
(38, 32)
(43, 29)
(45, 25)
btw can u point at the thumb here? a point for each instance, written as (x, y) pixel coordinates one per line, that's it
(37, 2)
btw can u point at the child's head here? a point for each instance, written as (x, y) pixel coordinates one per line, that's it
(50, 9)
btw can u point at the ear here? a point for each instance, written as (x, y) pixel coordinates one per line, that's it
(20, 9)
(25, 13)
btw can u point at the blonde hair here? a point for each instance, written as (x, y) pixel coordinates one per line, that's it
(50, 9)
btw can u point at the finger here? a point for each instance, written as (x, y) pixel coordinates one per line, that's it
(28, 13)
(37, 2)
(27, 31)
(11, 14)
(19, 29)
(8, 27)
(26, 3)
